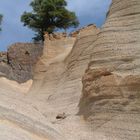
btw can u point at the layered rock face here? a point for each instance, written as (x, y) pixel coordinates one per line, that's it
(55, 45)
(78, 58)
(111, 83)
(62, 63)
(57, 84)
(18, 62)
(113, 73)
(110, 99)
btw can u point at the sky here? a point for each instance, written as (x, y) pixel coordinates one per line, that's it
(87, 11)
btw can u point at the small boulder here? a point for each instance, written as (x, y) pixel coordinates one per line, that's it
(61, 116)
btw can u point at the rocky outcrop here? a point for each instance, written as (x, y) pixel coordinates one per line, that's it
(112, 77)
(69, 61)
(110, 105)
(18, 62)
(111, 83)
(57, 84)
(19, 118)
(55, 45)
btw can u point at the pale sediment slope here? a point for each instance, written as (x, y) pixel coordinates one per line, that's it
(14, 86)
(19, 118)
(57, 88)
(61, 76)
(56, 48)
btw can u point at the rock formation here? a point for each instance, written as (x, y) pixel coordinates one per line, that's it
(18, 62)
(113, 74)
(57, 84)
(54, 45)
(111, 83)
(109, 101)
(66, 63)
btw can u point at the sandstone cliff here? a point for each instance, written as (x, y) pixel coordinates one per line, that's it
(111, 84)
(108, 61)
(113, 74)
(55, 45)
(60, 65)
(57, 88)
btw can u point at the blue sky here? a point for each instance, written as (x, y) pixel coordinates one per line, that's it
(88, 11)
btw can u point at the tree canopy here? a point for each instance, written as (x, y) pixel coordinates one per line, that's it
(48, 16)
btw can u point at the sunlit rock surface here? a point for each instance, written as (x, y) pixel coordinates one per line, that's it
(59, 107)
(111, 83)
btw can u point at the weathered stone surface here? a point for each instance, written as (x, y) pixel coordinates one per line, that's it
(18, 62)
(3, 57)
(19, 118)
(65, 62)
(5, 69)
(110, 99)
(19, 115)
(111, 84)
(57, 86)
(116, 52)
(87, 28)
(53, 48)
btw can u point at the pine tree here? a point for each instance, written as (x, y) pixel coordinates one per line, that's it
(48, 16)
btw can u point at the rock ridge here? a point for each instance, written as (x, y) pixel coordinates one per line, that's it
(18, 62)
